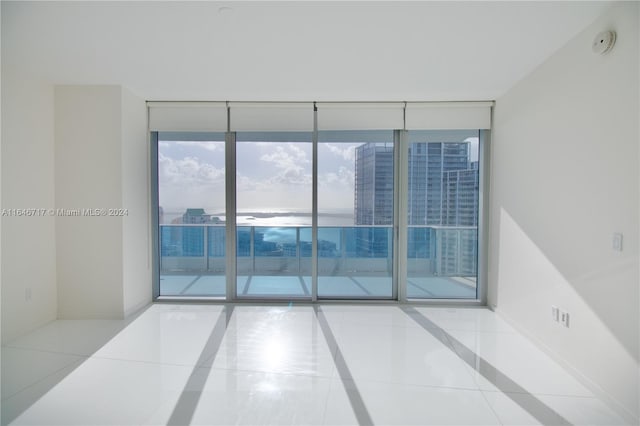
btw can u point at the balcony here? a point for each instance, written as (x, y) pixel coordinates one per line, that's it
(353, 261)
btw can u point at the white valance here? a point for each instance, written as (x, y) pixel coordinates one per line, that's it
(188, 116)
(298, 116)
(448, 115)
(271, 116)
(360, 115)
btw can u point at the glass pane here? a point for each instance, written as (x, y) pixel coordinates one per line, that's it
(191, 191)
(274, 192)
(443, 190)
(355, 214)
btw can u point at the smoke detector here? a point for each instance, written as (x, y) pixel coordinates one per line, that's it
(603, 42)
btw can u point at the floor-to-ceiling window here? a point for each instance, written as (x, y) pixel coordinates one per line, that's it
(273, 214)
(443, 183)
(191, 213)
(355, 214)
(319, 200)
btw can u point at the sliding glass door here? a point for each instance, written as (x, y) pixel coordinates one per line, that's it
(355, 214)
(191, 214)
(442, 214)
(312, 201)
(273, 214)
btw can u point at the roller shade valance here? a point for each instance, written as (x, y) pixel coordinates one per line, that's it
(298, 116)
(188, 116)
(360, 115)
(271, 116)
(448, 115)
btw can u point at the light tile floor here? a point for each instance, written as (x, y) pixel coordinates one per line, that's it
(290, 364)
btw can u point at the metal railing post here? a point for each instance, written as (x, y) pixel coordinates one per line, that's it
(252, 247)
(206, 246)
(298, 248)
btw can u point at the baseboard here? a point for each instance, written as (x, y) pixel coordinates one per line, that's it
(597, 390)
(136, 309)
(7, 339)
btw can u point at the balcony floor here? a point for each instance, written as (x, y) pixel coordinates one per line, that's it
(357, 287)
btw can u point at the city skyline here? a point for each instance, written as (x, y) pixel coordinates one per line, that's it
(442, 184)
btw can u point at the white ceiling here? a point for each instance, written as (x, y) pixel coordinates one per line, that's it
(266, 50)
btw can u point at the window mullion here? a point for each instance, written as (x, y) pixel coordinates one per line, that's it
(401, 189)
(230, 182)
(314, 208)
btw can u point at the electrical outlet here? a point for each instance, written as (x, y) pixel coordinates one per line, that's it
(555, 313)
(617, 241)
(564, 318)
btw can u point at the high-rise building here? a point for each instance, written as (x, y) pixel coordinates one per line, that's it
(195, 216)
(429, 163)
(193, 237)
(460, 197)
(373, 200)
(442, 201)
(374, 184)
(442, 184)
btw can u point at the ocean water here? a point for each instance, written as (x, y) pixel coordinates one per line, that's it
(282, 228)
(278, 219)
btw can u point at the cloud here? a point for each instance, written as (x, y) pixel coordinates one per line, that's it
(335, 189)
(189, 182)
(275, 176)
(348, 153)
(292, 176)
(187, 171)
(345, 177)
(245, 183)
(209, 146)
(288, 160)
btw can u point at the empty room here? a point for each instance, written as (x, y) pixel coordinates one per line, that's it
(320, 212)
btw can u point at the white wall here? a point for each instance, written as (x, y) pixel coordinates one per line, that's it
(88, 176)
(564, 179)
(73, 148)
(136, 231)
(101, 156)
(28, 243)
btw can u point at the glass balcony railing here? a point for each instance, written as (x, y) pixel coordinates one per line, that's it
(431, 250)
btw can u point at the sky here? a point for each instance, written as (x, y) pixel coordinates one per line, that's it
(271, 176)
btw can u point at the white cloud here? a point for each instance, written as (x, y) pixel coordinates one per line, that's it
(343, 178)
(187, 171)
(209, 146)
(189, 183)
(348, 153)
(245, 183)
(278, 178)
(289, 159)
(292, 176)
